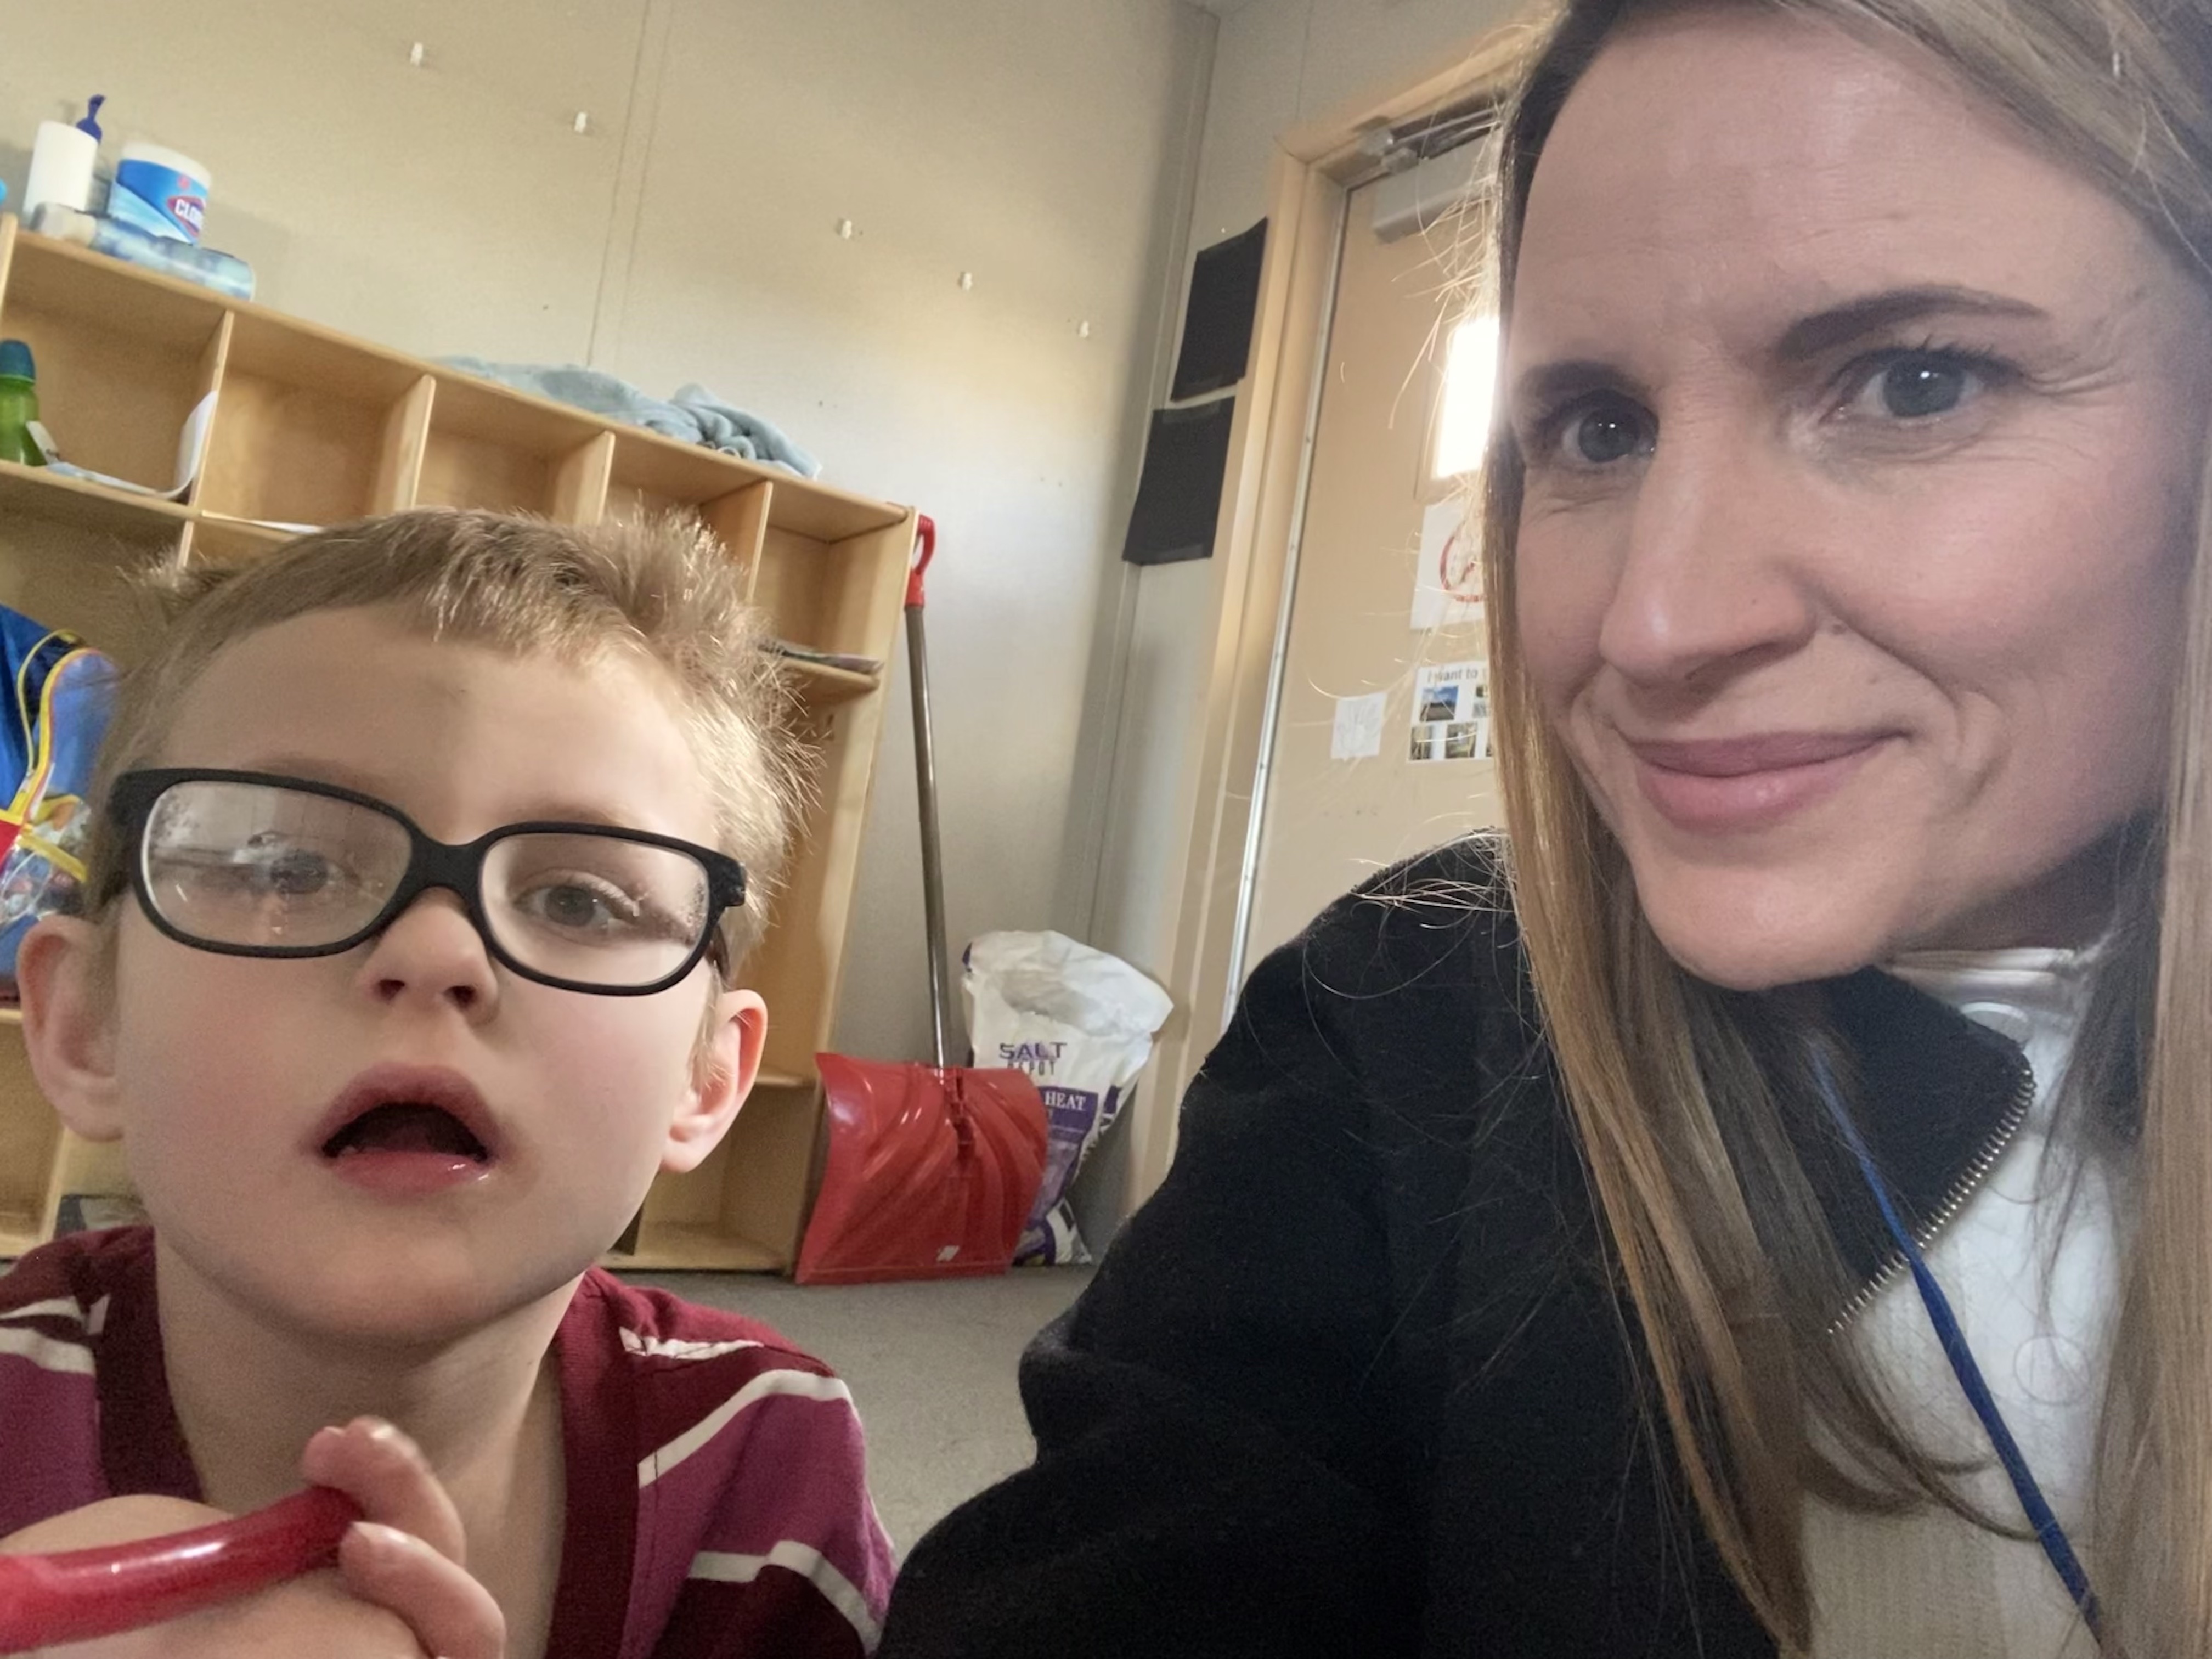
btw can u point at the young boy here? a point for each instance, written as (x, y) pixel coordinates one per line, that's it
(393, 1062)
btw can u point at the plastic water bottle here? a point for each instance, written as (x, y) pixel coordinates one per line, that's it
(19, 404)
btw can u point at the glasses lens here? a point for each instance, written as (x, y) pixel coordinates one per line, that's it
(595, 910)
(256, 864)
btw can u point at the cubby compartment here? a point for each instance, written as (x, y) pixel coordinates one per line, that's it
(652, 476)
(310, 430)
(88, 579)
(743, 1209)
(491, 447)
(821, 594)
(121, 363)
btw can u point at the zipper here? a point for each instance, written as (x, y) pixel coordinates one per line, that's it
(1987, 1157)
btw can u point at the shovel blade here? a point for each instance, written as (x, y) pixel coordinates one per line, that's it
(931, 1172)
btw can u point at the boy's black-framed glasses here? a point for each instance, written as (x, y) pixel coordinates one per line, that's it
(253, 864)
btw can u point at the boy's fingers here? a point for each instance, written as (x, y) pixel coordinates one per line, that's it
(452, 1616)
(384, 1472)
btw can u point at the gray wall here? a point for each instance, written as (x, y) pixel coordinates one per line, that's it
(1278, 64)
(1046, 146)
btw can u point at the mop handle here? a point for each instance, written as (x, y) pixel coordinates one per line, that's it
(925, 771)
(77, 1595)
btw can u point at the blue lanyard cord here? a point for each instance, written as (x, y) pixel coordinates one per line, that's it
(2033, 1503)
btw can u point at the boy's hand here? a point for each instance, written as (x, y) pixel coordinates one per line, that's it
(407, 1553)
(399, 1593)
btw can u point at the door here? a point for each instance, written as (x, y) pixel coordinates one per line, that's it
(1378, 744)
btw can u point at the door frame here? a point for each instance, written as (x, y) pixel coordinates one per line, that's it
(1218, 805)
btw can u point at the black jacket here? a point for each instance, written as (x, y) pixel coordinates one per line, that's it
(1356, 1382)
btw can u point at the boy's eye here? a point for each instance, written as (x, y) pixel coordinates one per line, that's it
(285, 869)
(578, 904)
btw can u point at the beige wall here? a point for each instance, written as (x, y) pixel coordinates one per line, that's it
(1045, 145)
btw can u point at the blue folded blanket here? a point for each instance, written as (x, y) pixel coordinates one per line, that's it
(694, 414)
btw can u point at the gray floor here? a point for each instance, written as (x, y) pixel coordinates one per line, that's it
(930, 1366)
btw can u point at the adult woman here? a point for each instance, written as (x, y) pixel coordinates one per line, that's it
(1847, 549)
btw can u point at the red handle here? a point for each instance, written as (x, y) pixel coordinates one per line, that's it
(81, 1594)
(924, 550)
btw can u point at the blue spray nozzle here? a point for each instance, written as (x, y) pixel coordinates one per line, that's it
(91, 122)
(16, 360)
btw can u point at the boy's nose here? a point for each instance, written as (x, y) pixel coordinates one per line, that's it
(431, 953)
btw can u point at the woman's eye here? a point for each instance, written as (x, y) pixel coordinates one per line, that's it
(1603, 432)
(1916, 386)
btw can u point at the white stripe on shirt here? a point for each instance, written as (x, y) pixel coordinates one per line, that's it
(662, 1347)
(809, 1564)
(45, 1352)
(61, 1307)
(804, 1384)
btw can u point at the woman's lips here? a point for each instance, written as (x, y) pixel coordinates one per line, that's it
(1730, 785)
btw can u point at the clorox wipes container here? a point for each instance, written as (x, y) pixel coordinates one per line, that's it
(160, 191)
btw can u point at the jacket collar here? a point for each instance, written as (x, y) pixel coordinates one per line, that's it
(1938, 1096)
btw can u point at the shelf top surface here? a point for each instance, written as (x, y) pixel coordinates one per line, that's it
(37, 493)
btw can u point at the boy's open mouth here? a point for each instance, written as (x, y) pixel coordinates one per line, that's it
(406, 1127)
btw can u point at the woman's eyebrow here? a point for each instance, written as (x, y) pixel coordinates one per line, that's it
(1545, 384)
(1824, 331)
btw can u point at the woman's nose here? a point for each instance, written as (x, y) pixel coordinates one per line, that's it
(431, 954)
(1711, 581)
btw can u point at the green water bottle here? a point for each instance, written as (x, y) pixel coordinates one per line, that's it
(19, 404)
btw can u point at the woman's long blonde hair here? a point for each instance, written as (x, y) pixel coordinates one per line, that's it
(1679, 1091)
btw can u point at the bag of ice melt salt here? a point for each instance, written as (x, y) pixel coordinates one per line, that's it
(1080, 1022)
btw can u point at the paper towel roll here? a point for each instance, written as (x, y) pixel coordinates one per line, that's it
(61, 168)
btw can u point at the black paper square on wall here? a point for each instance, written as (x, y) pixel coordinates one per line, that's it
(1179, 497)
(1217, 326)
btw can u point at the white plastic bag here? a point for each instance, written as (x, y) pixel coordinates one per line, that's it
(1080, 1022)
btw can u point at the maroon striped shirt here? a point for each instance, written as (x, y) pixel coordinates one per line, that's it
(717, 1501)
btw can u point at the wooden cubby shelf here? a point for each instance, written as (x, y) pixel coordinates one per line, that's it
(313, 427)
(821, 683)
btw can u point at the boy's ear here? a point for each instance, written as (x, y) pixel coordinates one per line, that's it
(721, 1078)
(69, 1028)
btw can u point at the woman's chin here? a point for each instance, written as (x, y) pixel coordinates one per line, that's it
(1757, 934)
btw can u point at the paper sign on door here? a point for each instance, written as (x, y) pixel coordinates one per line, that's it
(1447, 584)
(1357, 733)
(1451, 712)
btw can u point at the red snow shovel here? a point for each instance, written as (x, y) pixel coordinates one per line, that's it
(932, 1169)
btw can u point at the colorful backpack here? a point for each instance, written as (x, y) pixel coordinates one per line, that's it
(64, 692)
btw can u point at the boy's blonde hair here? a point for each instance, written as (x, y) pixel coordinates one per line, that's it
(664, 589)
